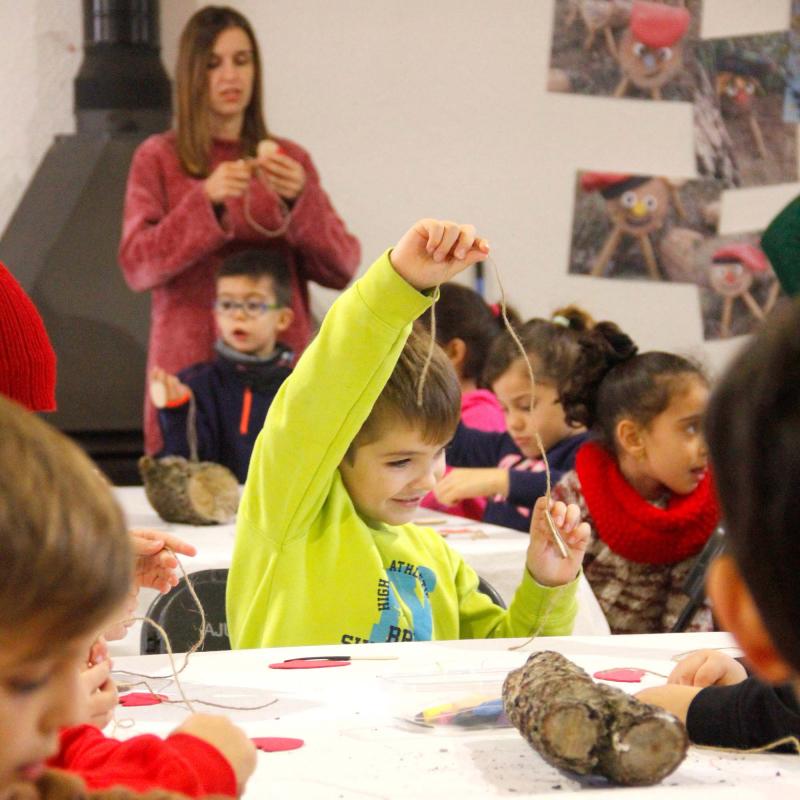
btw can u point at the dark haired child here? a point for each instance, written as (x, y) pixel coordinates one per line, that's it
(507, 468)
(326, 550)
(642, 483)
(465, 329)
(753, 411)
(67, 562)
(233, 393)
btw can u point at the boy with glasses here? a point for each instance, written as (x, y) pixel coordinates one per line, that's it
(232, 393)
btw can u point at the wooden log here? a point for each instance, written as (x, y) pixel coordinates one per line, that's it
(578, 725)
(190, 492)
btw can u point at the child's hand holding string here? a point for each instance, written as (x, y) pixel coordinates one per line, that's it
(101, 696)
(433, 251)
(544, 560)
(156, 564)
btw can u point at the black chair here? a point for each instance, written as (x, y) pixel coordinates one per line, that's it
(177, 613)
(695, 584)
(486, 588)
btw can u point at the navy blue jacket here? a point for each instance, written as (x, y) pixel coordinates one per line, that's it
(526, 477)
(232, 400)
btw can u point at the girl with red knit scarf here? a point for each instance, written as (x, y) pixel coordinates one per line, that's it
(642, 481)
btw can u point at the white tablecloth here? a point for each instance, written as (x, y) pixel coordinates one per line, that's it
(497, 555)
(356, 748)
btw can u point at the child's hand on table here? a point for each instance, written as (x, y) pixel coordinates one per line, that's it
(544, 561)
(433, 251)
(690, 676)
(707, 668)
(464, 483)
(229, 739)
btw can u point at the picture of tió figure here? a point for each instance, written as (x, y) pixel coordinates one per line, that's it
(651, 51)
(600, 15)
(739, 79)
(637, 205)
(731, 275)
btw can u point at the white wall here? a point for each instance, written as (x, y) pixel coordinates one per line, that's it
(415, 108)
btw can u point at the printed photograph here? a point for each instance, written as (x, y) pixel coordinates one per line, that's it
(625, 48)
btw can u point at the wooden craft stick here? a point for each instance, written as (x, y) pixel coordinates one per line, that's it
(755, 308)
(725, 322)
(609, 246)
(649, 257)
(756, 129)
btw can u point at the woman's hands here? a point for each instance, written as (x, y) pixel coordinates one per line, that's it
(433, 251)
(285, 175)
(229, 179)
(544, 560)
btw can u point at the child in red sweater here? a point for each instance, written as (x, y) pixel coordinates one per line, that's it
(67, 562)
(642, 483)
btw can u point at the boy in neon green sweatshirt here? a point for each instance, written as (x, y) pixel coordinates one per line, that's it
(325, 549)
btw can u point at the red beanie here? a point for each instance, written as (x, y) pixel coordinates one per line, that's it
(27, 360)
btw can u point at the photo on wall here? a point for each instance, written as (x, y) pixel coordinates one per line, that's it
(625, 48)
(746, 76)
(646, 227)
(791, 95)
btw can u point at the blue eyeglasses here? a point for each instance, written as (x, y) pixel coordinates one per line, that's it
(251, 308)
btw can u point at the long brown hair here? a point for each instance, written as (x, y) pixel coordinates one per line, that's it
(192, 123)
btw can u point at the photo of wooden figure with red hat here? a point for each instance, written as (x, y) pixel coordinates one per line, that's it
(733, 271)
(749, 88)
(652, 49)
(648, 48)
(637, 206)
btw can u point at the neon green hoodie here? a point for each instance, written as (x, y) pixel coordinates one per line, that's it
(307, 569)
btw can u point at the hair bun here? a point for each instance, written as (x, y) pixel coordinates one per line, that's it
(621, 345)
(574, 318)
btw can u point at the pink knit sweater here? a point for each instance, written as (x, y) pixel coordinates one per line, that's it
(172, 244)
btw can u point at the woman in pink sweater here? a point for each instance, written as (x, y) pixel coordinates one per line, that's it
(215, 184)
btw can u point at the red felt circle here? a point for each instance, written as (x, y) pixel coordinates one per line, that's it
(299, 664)
(621, 675)
(275, 744)
(141, 699)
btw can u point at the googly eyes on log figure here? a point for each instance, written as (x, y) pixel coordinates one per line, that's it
(651, 50)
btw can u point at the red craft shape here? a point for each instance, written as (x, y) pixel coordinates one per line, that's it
(141, 699)
(744, 253)
(276, 744)
(621, 675)
(300, 664)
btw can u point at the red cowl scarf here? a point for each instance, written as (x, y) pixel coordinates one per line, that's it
(636, 529)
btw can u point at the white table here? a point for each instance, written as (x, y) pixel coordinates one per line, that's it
(498, 555)
(355, 748)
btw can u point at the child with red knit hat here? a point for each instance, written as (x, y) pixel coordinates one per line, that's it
(27, 360)
(642, 480)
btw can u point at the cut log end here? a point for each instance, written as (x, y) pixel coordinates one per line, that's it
(648, 751)
(573, 732)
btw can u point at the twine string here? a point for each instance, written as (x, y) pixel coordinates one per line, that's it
(286, 212)
(191, 429)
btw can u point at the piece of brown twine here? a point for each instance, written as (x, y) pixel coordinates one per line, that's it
(170, 654)
(285, 210)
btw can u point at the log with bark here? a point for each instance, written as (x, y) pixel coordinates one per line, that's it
(190, 492)
(578, 725)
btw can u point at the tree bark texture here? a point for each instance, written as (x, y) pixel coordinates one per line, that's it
(578, 725)
(190, 492)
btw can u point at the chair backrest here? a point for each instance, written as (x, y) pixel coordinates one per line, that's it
(177, 613)
(492, 593)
